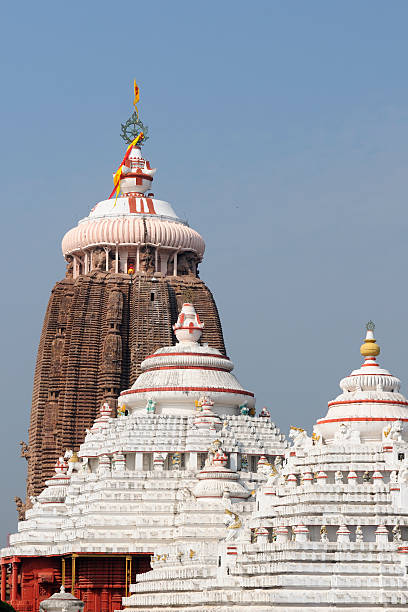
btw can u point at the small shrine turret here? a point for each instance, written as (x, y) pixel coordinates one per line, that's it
(370, 401)
(176, 377)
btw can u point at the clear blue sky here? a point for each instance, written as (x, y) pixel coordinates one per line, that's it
(279, 129)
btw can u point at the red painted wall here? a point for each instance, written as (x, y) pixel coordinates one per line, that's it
(100, 581)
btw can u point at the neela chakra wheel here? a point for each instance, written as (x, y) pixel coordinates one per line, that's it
(132, 128)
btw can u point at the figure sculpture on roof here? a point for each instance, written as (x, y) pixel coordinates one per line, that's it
(323, 534)
(214, 448)
(150, 406)
(359, 534)
(338, 477)
(299, 437)
(20, 508)
(233, 523)
(393, 432)
(74, 463)
(346, 435)
(396, 533)
(244, 410)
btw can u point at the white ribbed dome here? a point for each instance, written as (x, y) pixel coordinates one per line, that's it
(135, 229)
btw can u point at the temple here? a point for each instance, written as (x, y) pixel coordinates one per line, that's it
(131, 263)
(154, 484)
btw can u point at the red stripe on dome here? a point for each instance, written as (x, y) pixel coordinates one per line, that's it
(368, 401)
(189, 354)
(136, 175)
(185, 368)
(150, 206)
(213, 389)
(363, 419)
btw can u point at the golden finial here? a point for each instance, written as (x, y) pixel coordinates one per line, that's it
(370, 348)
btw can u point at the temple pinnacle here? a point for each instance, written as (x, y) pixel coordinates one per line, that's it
(370, 348)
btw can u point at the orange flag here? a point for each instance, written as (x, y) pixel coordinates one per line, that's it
(137, 96)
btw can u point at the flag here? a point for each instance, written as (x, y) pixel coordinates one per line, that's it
(137, 96)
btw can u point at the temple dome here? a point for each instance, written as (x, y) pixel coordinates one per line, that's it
(176, 376)
(131, 228)
(116, 229)
(370, 399)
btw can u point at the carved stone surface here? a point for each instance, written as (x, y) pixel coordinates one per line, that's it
(97, 330)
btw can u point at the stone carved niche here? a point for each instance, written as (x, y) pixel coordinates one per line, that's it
(112, 345)
(186, 264)
(112, 261)
(57, 354)
(147, 259)
(65, 307)
(69, 270)
(20, 508)
(99, 259)
(112, 353)
(115, 306)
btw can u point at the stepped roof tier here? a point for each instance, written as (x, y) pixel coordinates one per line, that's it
(370, 399)
(176, 374)
(329, 529)
(174, 471)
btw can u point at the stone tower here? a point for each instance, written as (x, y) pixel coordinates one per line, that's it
(131, 263)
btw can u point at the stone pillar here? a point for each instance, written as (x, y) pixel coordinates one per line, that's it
(156, 259)
(123, 255)
(14, 581)
(192, 462)
(301, 533)
(116, 259)
(282, 534)
(343, 534)
(381, 535)
(378, 478)
(3, 582)
(86, 262)
(138, 258)
(321, 478)
(75, 272)
(175, 264)
(307, 477)
(158, 462)
(107, 250)
(104, 465)
(139, 462)
(352, 478)
(291, 480)
(119, 462)
(164, 257)
(262, 535)
(234, 461)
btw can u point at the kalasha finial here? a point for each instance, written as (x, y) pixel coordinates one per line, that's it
(370, 348)
(131, 129)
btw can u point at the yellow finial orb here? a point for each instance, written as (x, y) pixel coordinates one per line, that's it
(370, 348)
